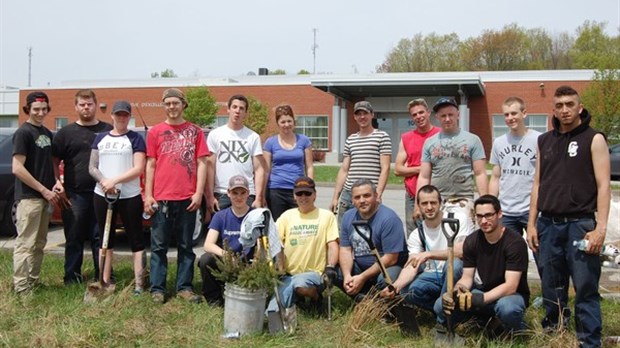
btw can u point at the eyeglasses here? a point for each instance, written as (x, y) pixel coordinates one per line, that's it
(488, 216)
(303, 193)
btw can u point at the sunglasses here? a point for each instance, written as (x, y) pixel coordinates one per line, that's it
(303, 193)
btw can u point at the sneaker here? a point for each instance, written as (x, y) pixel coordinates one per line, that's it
(189, 296)
(158, 297)
(138, 291)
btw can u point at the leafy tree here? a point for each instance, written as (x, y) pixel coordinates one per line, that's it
(165, 74)
(303, 72)
(278, 72)
(497, 50)
(202, 106)
(560, 47)
(431, 53)
(602, 99)
(258, 115)
(594, 49)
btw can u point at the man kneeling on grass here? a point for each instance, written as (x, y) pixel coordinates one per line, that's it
(310, 239)
(499, 256)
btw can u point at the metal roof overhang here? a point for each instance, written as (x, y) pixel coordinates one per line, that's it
(401, 86)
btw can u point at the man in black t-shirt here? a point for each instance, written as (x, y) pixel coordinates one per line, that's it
(499, 257)
(72, 145)
(35, 190)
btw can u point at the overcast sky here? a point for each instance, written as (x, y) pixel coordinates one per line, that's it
(116, 39)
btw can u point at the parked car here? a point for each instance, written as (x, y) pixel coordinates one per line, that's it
(614, 158)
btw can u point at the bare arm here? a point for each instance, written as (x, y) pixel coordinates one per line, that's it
(309, 162)
(532, 231)
(342, 176)
(601, 164)
(259, 180)
(212, 203)
(480, 174)
(20, 171)
(508, 287)
(267, 157)
(148, 185)
(210, 245)
(332, 253)
(494, 181)
(400, 165)
(345, 258)
(467, 279)
(201, 177)
(425, 175)
(385, 173)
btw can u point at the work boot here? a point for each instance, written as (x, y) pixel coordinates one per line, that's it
(158, 297)
(189, 296)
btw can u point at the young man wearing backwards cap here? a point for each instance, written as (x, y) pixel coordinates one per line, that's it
(176, 171)
(36, 190)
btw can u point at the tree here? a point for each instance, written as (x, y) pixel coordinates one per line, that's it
(202, 106)
(493, 50)
(258, 115)
(303, 72)
(431, 53)
(602, 99)
(594, 49)
(560, 47)
(165, 74)
(278, 72)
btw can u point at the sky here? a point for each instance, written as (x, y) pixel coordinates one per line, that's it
(130, 39)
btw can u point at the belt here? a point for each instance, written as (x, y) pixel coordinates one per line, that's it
(564, 219)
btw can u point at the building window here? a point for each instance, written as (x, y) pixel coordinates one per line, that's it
(9, 121)
(61, 122)
(536, 122)
(315, 128)
(219, 121)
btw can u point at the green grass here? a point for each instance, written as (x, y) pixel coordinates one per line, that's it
(328, 174)
(56, 316)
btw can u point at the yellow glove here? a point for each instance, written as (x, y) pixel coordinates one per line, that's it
(467, 300)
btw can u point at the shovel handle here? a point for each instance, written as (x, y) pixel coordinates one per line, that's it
(454, 225)
(359, 226)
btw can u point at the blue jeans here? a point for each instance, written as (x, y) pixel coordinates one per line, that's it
(518, 223)
(289, 283)
(427, 287)
(560, 260)
(177, 223)
(508, 309)
(409, 207)
(79, 224)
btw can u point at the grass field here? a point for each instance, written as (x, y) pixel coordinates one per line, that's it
(56, 316)
(328, 174)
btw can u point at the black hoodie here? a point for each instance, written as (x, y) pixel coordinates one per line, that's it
(567, 183)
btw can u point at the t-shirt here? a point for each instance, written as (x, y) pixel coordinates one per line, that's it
(176, 149)
(234, 152)
(229, 227)
(34, 142)
(436, 240)
(116, 157)
(452, 158)
(387, 235)
(413, 142)
(305, 238)
(516, 157)
(72, 144)
(365, 153)
(286, 164)
(491, 261)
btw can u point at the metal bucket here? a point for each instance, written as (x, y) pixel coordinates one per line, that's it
(244, 310)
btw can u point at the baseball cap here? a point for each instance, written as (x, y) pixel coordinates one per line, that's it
(304, 184)
(37, 96)
(362, 105)
(121, 106)
(238, 181)
(445, 101)
(174, 92)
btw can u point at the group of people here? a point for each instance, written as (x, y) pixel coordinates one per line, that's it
(553, 186)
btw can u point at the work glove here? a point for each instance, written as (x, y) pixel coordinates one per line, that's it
(447, 302)
(468, 300)
(329, 275)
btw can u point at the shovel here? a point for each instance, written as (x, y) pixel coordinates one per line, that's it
(454, 225)
(404, 315)
(287, 318)
(98, 290)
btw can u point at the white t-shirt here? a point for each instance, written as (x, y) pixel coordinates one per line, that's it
(435, 240)
(234, 152)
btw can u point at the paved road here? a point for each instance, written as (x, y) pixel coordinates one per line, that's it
(393, 197)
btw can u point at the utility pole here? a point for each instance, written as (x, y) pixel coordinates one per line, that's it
(314, 47)
(30, 66)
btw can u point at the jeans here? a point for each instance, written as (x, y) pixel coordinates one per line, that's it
(409, 207)
(223, 200)
(344, 203)
(287, 287)
(79, 224)
(518, 223)
(560, 260)
(177, 223)
(378, 282)
(427, 287)
(279, 201)
(510, 310)
(212, 289)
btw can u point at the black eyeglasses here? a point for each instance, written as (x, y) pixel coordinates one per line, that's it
(487, 216)
(303, 193)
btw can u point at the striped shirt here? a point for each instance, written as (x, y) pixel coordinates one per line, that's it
(365, 153)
